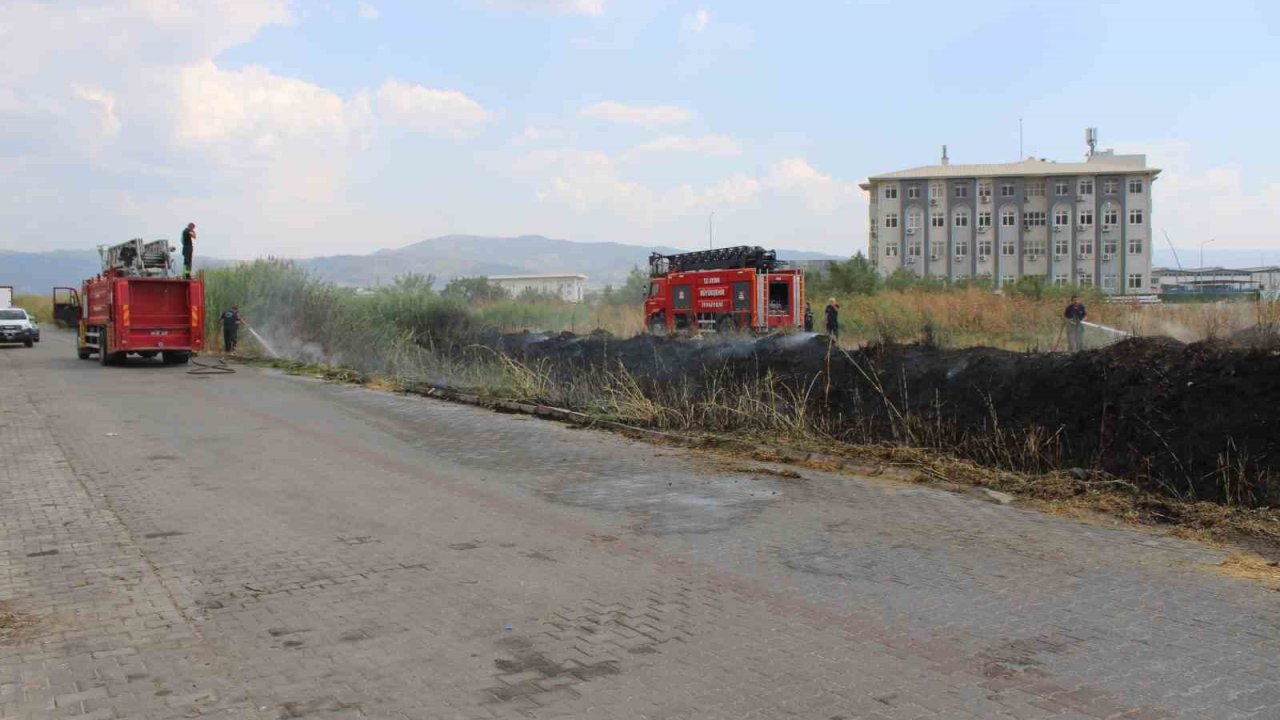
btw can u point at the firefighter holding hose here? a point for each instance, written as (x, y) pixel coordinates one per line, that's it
(231, 322)
(1075, 315)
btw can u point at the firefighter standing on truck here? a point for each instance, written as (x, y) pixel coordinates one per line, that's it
(188, 249)
(231, 322)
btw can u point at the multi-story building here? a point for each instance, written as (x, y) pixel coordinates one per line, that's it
(1084, 223)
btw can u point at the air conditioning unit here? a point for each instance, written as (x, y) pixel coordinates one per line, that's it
(911, 231)
(982, 228)
(1057, 228)
(911, 260)
(933, 201)
(982, 258)
(1082, 228)
(933, 257)
(984, 199)
(1082, 256)
(1106, 256)
(1033, 258)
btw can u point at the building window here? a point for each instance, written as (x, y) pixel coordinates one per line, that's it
(1110, 216)
(984, 219)
(1060, 279)
(891, 220)
(1135, 186)
(1086, 247)
(1109, 281)
(1135, 281)
(935, 190)
(962, 249)
(913, 192)
(890, 192)
(1086, 187)
(1110, 187)
(1061, 218)
(913, 248)
(891, 250)
(1006, 190)
(1034, 218)
(1084, 279)
(936, 249)
(913, 220)
(984, 247)
(1006, 279)
(1086, 218)
(1061, 245)
(962, 191)
(937, 219)
(1034, 247)
(1135, 217)
(984, 190)
(961, 219)
(1007, 247)
(1109, 246)
(1008, 218)
(1035, 188)
(1061, 188)
(1135, 246)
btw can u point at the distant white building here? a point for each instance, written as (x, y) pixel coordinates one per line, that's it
(566, 287)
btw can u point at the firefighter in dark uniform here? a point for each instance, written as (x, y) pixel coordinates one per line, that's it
(808, 317)
(1075, 315)
(188, 248)
(833, 318)
(231, 322)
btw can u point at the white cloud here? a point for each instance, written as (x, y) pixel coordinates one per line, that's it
(711, 145)
(594, 8)
(643, 115)
(105, 104)
(823, 194)
(696, 22)
(442, 113)
(368, 12)
(1195, 201)
(589, 181)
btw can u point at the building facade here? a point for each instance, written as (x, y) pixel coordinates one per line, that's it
(568, 288)
(1085, 223)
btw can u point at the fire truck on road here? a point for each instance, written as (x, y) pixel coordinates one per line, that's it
(734, 288)
(136, 305)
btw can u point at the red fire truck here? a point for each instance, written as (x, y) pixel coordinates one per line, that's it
(734, 288)
(136, 305)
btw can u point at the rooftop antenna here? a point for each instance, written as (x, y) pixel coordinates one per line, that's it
(945, 160)
(1091, 137)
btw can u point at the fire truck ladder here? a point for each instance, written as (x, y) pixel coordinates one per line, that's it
(137, 258)
(729, 258)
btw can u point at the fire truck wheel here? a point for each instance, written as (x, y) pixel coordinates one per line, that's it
(658, 325)
(176, 358)
(724, 324)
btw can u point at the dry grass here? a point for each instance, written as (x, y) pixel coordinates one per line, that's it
(1251, 567)
(973, 316)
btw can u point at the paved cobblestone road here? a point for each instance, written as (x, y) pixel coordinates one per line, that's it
(260, 546)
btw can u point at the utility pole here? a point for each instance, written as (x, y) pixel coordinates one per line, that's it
(1202, 244)
(711, 232)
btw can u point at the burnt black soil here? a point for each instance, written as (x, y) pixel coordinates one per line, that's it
(1198, 420)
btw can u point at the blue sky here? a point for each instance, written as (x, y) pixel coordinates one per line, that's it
(300, 128)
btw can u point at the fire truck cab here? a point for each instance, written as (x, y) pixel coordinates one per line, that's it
(735, 288)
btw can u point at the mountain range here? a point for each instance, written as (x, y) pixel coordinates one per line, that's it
(444, 257)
